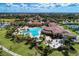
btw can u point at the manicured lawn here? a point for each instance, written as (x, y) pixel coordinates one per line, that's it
(56, 53)
(19, 48)
(76, 46)
(5, 53)
(22, 49)
(70, 30)
(7, 20)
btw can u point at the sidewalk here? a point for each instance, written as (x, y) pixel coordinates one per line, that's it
(8, 51)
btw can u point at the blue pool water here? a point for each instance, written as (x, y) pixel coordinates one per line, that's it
(34, 31)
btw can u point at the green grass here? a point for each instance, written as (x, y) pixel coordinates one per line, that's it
(22, 49)
(70, 30)
(76, 46)
(56, 53)
(7, 20)
(5, 54)
(19, 48)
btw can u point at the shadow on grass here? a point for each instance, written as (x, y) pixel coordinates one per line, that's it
(26, 43)
(12, 39)
(32, 45)
(65, 50)
(45, 51)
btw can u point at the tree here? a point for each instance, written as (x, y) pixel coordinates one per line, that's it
(46, 51)
(10, 32)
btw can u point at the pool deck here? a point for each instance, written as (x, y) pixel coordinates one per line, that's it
(55, 43)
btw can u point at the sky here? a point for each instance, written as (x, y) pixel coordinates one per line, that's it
(39, 1)
(39, 7)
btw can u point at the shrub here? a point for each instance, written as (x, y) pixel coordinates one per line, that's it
(10, 32)
(20, 38)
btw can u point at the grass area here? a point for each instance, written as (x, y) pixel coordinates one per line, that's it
(22, 49)
(19, 48)
(76, 46)
(5, 54)
(7, 20)
(70, 30)
(56, 53)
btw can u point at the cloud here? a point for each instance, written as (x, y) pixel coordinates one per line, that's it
(39, 7)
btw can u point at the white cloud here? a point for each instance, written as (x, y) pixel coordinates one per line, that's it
(65, 4)
(46, 5)
(9, 4)
(38, 6)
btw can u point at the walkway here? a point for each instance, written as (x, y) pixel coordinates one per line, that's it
(8, 51)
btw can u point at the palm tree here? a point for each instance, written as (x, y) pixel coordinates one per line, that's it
(68, 46)
(47, 51)
(10, 32)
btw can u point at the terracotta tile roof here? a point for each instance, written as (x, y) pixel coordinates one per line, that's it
(36, 23)
(54, 28)
(52, 24)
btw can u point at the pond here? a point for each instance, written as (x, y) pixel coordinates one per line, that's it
(3, 25)
(73, 26)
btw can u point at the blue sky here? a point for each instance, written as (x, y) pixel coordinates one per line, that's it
(39, 7)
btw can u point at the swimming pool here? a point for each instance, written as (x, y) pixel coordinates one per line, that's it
(34, 31)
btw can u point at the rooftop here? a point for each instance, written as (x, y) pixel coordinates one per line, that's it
(55, 28)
